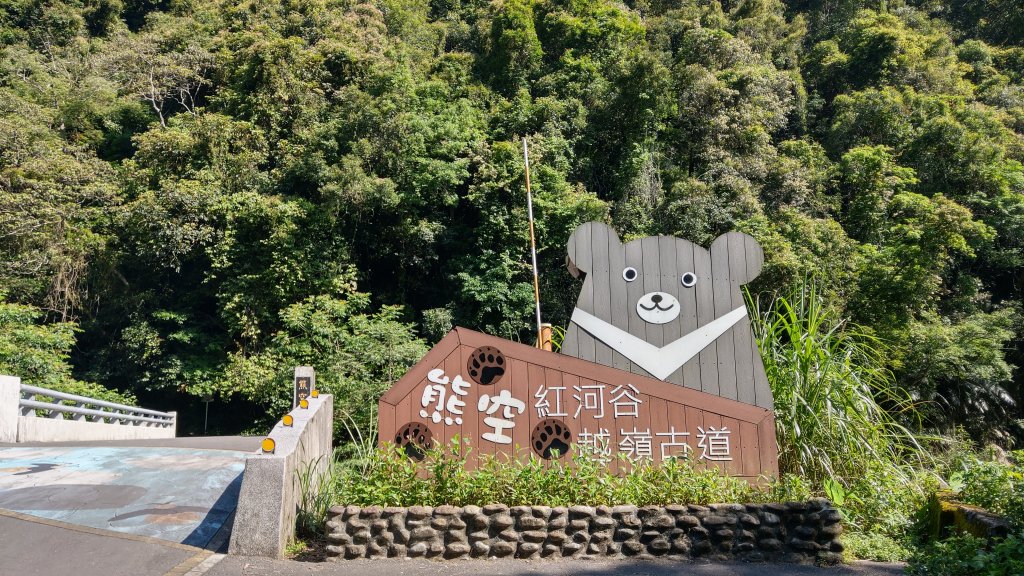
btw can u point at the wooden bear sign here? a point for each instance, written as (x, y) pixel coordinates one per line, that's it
(665, 307)
(658, 362)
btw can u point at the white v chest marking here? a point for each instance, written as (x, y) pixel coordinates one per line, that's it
(660, 362)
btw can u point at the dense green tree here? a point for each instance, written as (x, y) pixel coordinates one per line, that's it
(216, 191)
(357, 356)
(38, 352)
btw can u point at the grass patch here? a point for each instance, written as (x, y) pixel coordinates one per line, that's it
(873, 546)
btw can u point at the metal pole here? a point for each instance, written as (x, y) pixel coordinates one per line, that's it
(533, 244)
(206, 416)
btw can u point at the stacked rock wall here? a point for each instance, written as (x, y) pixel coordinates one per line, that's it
(789, 532)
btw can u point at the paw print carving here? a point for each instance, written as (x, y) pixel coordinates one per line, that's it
(551, 435)
(414, 439)
(486, 365)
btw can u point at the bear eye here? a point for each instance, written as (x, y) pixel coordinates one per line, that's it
(629, 274)
(689, 279)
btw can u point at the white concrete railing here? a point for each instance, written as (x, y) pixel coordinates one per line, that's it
(86, 419)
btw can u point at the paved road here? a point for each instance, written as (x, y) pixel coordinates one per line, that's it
(168, 489)
(31, 546)
(241, 566)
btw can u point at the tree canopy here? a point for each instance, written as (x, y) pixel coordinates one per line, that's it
(195, 196)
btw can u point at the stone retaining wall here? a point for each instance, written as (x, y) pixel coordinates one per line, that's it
(791, 532)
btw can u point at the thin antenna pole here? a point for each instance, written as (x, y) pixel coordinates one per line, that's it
(533, 245)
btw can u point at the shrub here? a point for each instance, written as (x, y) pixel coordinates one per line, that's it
(390, 478)
(997, 487)
(358, 354)
(949, 557)
(873, 546)
(965, 555)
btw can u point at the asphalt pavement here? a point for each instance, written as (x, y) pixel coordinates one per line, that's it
(242, 566)
(176, 493)
(31, 546)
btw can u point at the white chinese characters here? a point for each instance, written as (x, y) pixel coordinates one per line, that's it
(640, 444)
(545, 396)
(509, 408)
(626, 400)
(714, 444)
(434, 395)
(444, 399)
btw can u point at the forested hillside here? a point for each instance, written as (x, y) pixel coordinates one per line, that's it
(197, 195)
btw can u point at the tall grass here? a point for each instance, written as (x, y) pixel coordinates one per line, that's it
(837, 407)
(316, 481)
(362, 443)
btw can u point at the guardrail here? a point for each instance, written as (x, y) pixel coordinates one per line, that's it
(119, 413)
(24, 417)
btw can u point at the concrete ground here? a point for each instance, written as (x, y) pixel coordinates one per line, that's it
(32, 546)
(168, 489)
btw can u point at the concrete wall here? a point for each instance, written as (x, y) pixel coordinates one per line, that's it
(10, 392)
(800, 532)
(945, 512)
(271, 493)
(16, 427)
(34, 429)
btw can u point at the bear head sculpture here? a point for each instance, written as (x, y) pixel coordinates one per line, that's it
(665, 307)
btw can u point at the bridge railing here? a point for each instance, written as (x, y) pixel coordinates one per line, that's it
(81, 411)
(35, 414)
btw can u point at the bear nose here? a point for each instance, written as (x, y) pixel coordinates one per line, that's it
(656, 298)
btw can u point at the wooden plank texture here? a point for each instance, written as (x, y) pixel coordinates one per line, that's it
(740, 333)
(633, 427)
(601, 287)
(705, 295)
(619, 300)
(470, 422)
(723, 305)
(690, 372)
(584, 343)
(634, 291)
(451, 369)
(650, 273)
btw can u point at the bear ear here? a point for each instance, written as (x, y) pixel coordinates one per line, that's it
(740, 254)
(581, 245)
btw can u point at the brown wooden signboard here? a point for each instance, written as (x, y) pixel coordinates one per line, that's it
(658, 361)
(509, 398)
